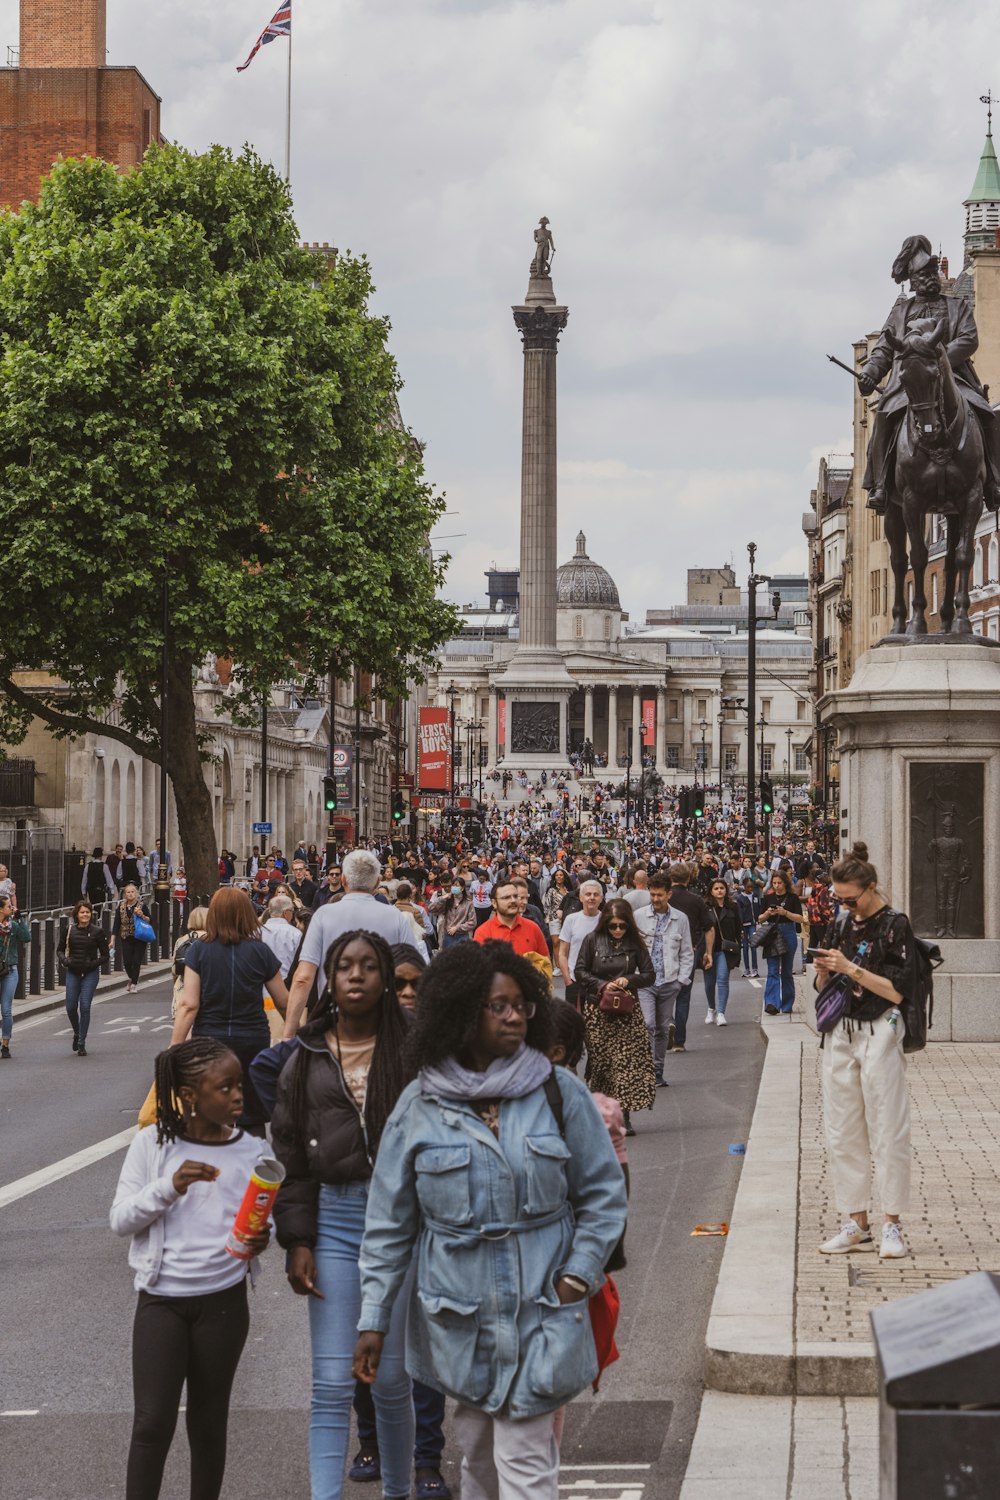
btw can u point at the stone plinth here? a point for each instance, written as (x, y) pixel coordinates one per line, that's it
(919, 734)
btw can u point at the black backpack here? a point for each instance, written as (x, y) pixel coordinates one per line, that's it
(917, 1006)
(97, 886)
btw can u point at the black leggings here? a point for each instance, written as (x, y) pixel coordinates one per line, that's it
(200, 1340)
(133, 953)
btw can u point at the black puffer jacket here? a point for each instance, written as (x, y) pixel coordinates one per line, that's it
(332, 1149)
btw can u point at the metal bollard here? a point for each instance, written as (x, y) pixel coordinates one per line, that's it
(34, 960)
(50, 976)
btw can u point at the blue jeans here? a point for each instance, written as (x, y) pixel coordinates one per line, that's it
(333, 1325)
(79, 996)
(749, 954)
(8, 984)
(717, 983)
(779, 990)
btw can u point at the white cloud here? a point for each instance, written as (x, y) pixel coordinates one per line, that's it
(727, 185)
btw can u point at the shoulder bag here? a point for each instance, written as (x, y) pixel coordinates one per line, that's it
(142, 929)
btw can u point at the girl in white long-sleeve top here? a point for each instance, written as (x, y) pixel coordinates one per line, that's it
(180, 1188)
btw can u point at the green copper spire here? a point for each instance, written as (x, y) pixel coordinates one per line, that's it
(986, 188)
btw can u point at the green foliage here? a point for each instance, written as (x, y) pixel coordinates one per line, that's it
(185, 389)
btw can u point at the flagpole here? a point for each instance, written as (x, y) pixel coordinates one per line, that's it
(288, 115)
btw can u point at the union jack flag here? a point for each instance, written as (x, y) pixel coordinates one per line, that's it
(279, 25)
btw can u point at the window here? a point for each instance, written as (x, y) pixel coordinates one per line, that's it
(673, 757)
(701, 757)
(579, 625)
(993, 561)
(977, 567)
(703, 708)
(765, 707)
(767, 759)
(934, 594)
(673, 709)
(731, 758)
(607, 627)
(800, 709)
(993, 629)
(801, 762)
(484, 707)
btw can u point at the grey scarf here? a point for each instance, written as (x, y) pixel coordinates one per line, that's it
(505, 1078)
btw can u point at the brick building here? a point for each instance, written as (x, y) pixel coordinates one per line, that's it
(62, 100)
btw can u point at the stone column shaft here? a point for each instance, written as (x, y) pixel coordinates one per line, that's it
(492, 720)
(540, 327)
(637, 726)
(612, 726)
(661, 728)
(588, 713)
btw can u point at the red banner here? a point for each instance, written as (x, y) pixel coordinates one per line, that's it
(649, 721)
(501, 725)
(435, 746)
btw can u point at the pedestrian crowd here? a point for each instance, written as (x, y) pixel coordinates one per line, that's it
(453, 1196)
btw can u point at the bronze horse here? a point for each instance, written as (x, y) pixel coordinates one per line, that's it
(940, 469)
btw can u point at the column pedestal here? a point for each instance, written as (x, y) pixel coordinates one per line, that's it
(919, 734)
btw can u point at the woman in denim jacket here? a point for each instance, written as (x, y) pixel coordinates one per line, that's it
(514, 1219)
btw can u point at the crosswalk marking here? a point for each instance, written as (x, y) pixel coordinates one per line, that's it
(22, 1186)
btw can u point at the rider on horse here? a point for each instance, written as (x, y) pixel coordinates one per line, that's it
(915, 263)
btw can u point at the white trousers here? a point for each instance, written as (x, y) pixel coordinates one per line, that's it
(505, 1460)
(866, 1106)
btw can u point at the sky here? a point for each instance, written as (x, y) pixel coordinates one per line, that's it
(727, 185)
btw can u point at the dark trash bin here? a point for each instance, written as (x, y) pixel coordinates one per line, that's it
(939, 1392)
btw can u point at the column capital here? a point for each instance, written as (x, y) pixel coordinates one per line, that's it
(540, 327)
(588, 687)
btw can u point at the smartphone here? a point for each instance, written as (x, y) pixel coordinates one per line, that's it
(811, 954)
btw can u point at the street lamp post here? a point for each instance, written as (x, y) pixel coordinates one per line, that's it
(452, 694)
(762, 725)
(703, 726)
(788, 771)
(754, 582)
(628, 780)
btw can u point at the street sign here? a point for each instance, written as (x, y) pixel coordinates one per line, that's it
(263, 828)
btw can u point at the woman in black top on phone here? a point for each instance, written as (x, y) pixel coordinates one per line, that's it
(781, 906)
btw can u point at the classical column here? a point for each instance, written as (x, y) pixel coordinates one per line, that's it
(491, 728)
(612, 726)
(661, 728)
(588, 712)
(687, 744)
(637, 726)
(539, 321)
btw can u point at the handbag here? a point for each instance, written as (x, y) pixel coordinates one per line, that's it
(832, 1002)
(143, 930)
(615, 1001)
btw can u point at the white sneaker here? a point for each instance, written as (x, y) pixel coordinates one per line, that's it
(720, 1019)
(710, 1017)
(851, 1237)
(893, 1246)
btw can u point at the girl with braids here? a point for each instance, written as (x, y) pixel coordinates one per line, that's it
(335, 1094)
(179, 1191)
(502, 1173)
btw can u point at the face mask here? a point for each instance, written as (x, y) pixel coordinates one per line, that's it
(456, 890)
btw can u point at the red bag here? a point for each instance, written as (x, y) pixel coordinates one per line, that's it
(605, 1306)
(615, 1001)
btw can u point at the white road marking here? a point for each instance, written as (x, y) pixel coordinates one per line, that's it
(47, 1016)
(754, 983)
(35, 1413)
(65, 1168)
(585, 1468)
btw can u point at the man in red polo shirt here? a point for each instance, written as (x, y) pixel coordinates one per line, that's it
(505, 925)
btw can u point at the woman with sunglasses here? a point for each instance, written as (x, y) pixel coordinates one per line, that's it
(866, 1103)
(615, 961)
(513, 1204)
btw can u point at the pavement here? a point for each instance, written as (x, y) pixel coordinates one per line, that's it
(788, 1345)
(65, 1391)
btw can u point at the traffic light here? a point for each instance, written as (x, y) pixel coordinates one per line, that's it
(330, 793)
(598, 799)
(766, 795)
(566, 803)
(398, 808)
(698, 801)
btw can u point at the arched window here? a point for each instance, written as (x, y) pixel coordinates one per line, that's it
(934, 594)
(977, 567)
(994, 570)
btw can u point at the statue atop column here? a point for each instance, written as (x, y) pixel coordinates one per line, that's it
(545, 249)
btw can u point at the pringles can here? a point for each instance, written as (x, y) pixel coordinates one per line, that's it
(255, 1210)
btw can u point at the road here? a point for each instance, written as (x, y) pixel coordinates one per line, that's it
(67, 1298)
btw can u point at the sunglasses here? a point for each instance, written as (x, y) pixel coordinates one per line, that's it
(622, 925)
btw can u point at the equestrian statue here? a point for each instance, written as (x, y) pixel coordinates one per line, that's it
(935, 448)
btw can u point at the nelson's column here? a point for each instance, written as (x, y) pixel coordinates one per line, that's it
(536, 683)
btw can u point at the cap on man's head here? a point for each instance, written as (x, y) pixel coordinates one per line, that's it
(915, 255)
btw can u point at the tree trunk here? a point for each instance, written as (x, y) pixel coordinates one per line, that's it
(193, 800)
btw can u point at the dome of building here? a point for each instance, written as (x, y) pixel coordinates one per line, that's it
(582, 583)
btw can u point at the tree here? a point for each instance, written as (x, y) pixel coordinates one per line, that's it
(190, 396)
